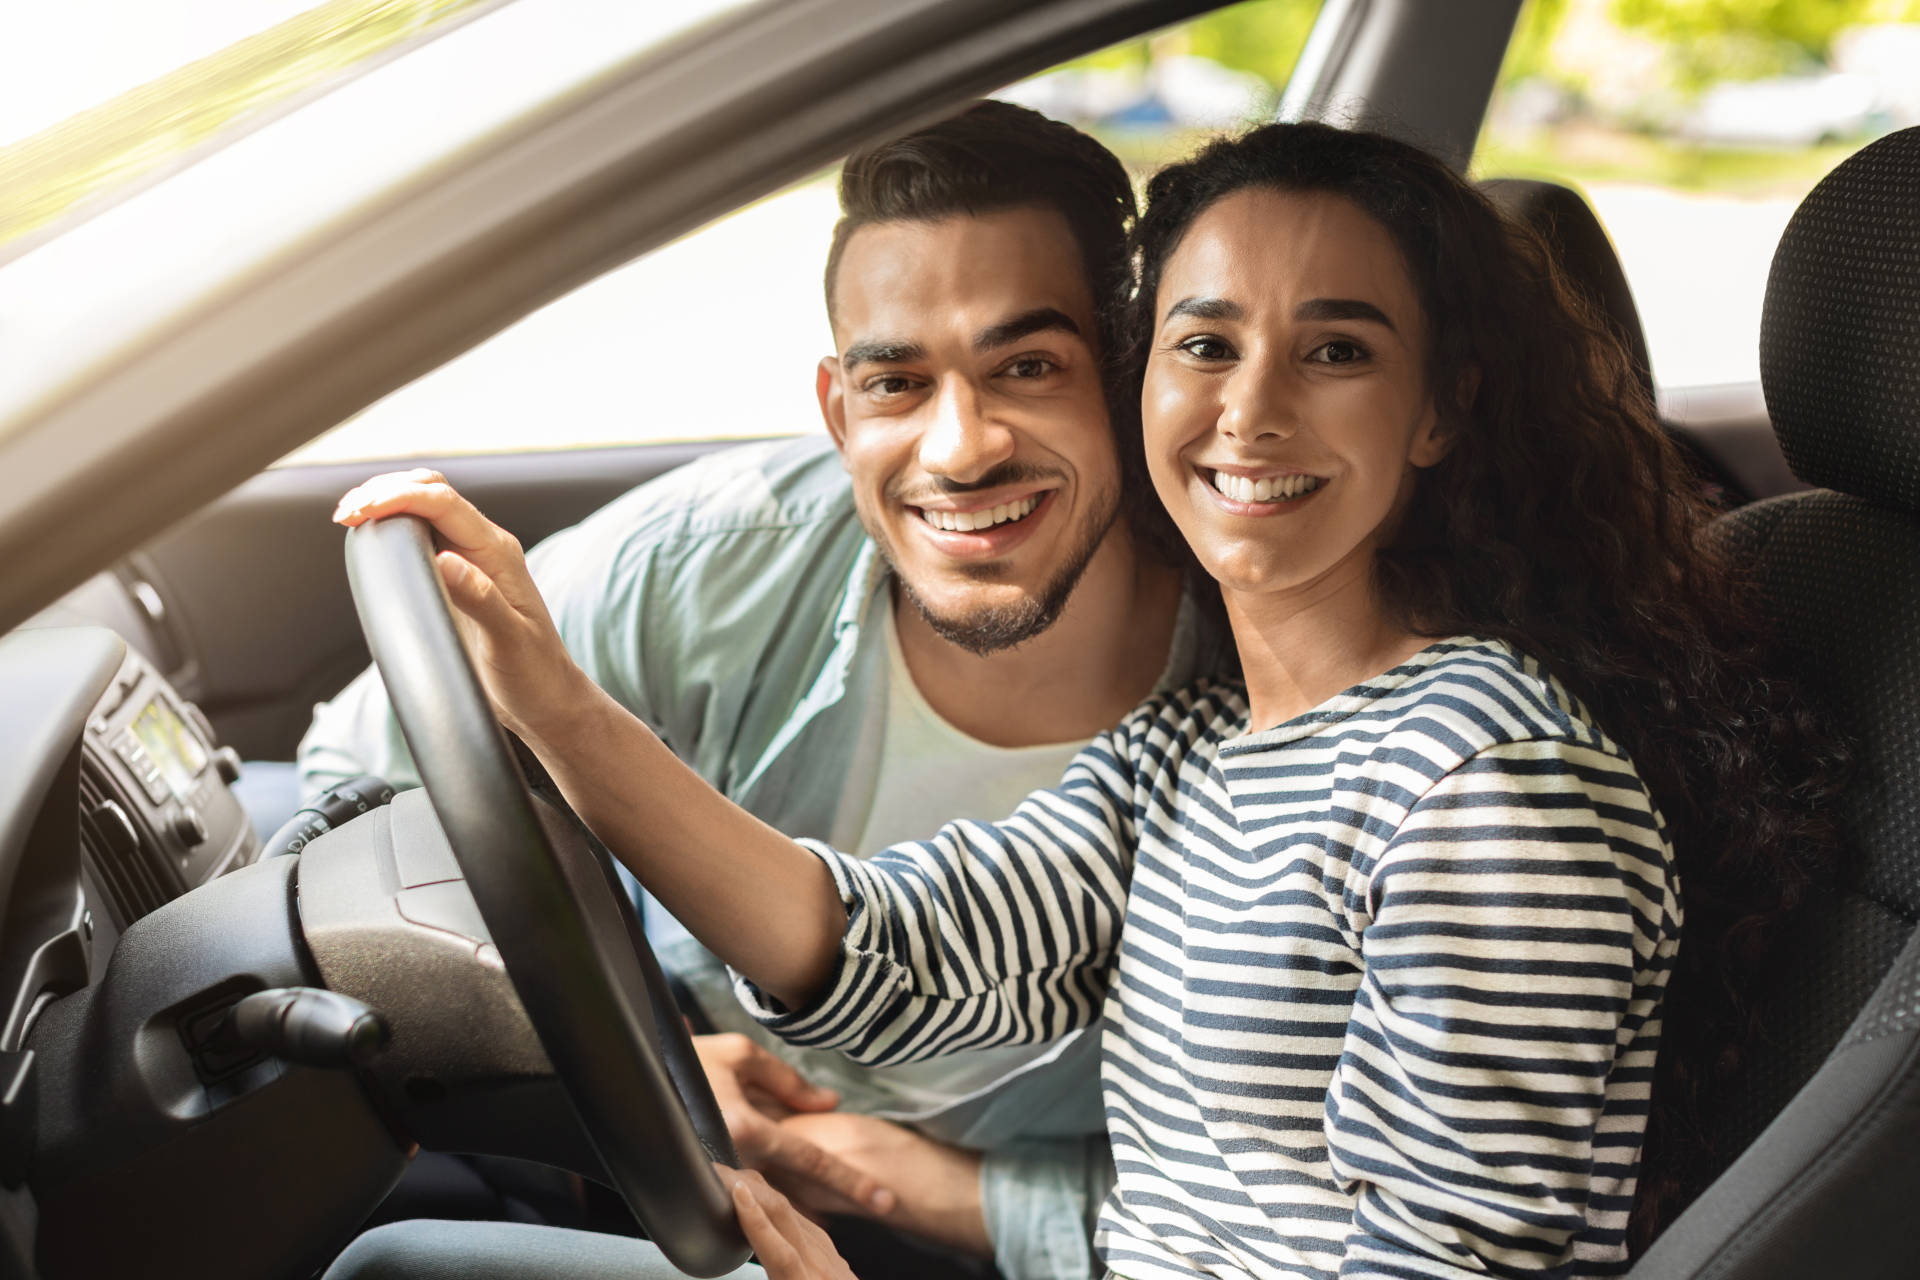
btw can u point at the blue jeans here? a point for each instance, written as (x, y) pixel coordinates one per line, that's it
(426, 1249)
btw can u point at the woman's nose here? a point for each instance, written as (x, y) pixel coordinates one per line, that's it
(1258, 403)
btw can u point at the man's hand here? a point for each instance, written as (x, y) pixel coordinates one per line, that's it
(938, 1184)
(789, 1245)
(756, 1091)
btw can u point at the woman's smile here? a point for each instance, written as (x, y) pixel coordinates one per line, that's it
(1259, 493)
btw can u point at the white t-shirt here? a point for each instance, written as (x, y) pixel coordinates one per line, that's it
(927, 773)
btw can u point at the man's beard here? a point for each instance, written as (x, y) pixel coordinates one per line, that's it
(993, 628)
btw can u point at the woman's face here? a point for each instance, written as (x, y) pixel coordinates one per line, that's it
(1286, 405)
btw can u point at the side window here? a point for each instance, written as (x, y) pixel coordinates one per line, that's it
(712, 337)
(717, 335)
(1695, 129)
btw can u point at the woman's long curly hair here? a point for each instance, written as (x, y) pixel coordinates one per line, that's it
(1564, 521)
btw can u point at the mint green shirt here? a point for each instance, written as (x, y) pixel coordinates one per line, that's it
(723, 603)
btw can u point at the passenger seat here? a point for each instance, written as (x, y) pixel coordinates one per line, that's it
(1562, 217)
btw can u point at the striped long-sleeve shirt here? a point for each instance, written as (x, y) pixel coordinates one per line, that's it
(1380, 986)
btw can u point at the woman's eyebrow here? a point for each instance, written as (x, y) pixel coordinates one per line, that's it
(1206, 309)
(1312, 311)
(1322, 309)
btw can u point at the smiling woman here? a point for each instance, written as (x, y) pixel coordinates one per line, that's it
(1508, 481)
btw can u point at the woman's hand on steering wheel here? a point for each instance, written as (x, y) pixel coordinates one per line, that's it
(789, 1245)
(516, 649)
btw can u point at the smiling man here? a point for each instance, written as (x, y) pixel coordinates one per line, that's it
(923, 618)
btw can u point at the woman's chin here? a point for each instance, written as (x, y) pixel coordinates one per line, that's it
(1251, 571)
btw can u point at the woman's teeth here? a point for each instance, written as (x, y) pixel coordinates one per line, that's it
(1271, 489)
(970, 521)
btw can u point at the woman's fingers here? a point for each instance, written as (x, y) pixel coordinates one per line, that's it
(516, 648)
(496, 554)
(789, 1246)
(427, 494)
(778, 1256)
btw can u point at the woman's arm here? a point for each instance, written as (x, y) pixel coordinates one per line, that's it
(768, 907)
(986, 934)
(1490, 1100)
(990, 933)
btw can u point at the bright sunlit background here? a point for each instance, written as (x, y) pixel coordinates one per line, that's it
(1694, 127)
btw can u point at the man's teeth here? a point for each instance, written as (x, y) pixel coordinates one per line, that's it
(969, 521)
(1270, 489)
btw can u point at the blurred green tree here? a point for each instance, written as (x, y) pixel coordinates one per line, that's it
(1742, 39)
(1263, 37)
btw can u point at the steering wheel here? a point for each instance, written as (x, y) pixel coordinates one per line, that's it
(555, 909)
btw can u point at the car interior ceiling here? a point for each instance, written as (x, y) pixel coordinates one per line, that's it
(1825, 1122)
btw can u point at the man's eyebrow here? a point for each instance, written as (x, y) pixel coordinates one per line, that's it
(1206, 309)
(881, 351)
(1024, 325)
(1320, 309)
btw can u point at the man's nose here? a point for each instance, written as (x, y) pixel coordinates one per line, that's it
(1258, 402)
(962, 442)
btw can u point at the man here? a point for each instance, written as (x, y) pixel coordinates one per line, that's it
(923, 619)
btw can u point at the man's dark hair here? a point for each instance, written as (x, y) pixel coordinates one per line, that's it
(995, 156)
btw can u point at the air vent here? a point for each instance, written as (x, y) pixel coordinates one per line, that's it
(127, 867)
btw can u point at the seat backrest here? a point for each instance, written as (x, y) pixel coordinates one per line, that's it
(1827, 1112)
(1563, 218)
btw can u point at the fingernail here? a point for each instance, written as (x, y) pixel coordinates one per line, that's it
(883, 1201)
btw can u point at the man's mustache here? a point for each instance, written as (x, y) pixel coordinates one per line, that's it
(1007, 473)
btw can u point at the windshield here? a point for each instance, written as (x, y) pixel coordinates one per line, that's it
(97, 95)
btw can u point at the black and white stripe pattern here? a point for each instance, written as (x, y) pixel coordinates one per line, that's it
(1387, 995)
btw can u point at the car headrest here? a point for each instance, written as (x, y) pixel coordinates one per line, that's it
(1562, 217)
(1840, 332)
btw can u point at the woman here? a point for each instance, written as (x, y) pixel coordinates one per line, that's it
(1382, 938)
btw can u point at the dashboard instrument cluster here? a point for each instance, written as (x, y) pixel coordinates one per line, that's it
(157, 813)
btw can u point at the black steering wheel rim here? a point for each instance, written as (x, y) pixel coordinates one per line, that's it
(612, 1046)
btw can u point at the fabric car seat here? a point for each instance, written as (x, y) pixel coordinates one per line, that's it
(1826, 1117)
(1563, 219)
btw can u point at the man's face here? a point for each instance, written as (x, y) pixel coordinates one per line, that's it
(967, 405)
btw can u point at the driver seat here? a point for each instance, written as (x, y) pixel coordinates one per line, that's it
(1826, 1116)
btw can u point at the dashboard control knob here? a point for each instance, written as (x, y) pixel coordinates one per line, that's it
(188, 828)
(226, 762)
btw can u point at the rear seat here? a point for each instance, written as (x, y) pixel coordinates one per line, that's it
(1563, 218)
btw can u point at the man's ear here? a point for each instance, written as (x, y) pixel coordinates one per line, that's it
(832, 392)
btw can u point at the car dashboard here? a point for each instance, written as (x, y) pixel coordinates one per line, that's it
(114, 800)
